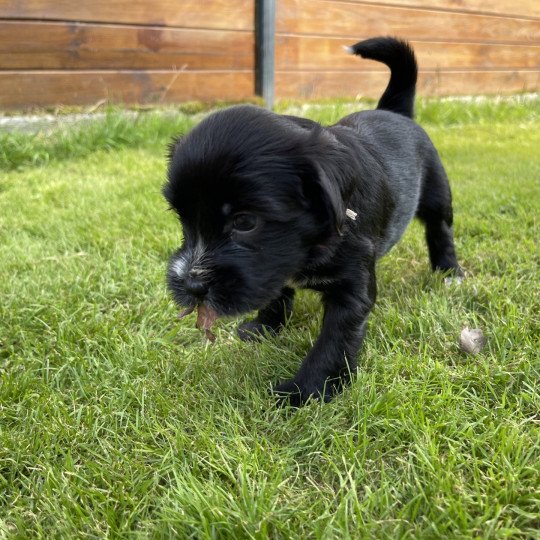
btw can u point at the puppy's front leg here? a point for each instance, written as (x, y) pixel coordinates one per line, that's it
(326, 368)
(270, 319)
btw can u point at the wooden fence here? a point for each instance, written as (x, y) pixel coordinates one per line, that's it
(463, 46)
(133, 51)
(165, 51)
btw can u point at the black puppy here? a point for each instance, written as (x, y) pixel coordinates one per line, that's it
(269, 203)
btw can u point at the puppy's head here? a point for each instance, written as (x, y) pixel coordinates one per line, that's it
(253, 202)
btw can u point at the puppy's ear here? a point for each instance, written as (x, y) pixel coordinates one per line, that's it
(167, 189)
(172, 146)
(324, 198)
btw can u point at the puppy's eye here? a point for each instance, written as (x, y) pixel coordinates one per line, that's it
(245, 222)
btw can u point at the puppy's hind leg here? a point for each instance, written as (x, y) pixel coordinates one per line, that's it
(271, 319)
(435, 210)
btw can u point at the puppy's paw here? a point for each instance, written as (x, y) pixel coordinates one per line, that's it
(289, 393)
(255, 331)
(295, 394)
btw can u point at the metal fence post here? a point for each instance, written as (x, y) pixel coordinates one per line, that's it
(265, 14)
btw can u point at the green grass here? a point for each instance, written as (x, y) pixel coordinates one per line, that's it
(117, 420)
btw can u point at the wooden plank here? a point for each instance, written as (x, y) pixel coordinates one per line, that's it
(325, 53)
(445, 83)
(323, 18)
(230, 14)
(24, 90)
(316, 85)
(32, 45)
(523, 8)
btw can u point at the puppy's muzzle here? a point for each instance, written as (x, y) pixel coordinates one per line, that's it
(195, 283)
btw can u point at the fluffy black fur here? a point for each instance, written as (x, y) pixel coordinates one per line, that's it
(263, 202)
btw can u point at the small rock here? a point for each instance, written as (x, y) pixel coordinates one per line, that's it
(472, 340)
(450, 281)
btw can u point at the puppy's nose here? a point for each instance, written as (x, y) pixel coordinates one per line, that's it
(196, 286)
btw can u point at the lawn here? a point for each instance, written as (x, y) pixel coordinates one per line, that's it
(118, 420)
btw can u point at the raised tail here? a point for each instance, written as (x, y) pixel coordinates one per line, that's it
(399, 57)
